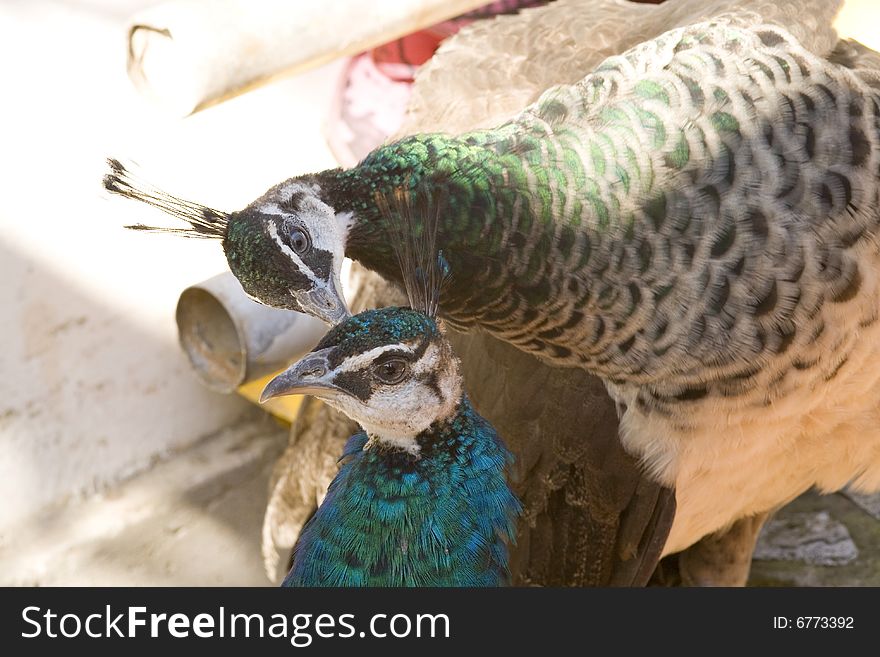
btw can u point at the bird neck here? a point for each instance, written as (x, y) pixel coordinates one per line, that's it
(524, 239)
(457, 171)
(544, 252)
(391, 518)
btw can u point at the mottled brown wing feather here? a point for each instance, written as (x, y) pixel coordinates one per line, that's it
(591, 518)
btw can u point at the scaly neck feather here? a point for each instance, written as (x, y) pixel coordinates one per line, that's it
(505, 227)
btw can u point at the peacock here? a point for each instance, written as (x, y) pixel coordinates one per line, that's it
(421, 497)
(693, 222)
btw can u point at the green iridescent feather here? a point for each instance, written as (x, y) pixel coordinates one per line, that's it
(442, 518)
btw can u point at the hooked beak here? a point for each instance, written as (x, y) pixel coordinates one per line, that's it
(310, 376)
(324, 302)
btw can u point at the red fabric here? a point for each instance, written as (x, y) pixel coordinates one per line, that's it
(399, 59)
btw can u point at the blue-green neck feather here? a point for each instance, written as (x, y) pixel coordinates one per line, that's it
(464, 173)
(442, 518)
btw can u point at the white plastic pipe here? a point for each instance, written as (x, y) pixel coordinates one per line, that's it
(231, 340)
(187, 54)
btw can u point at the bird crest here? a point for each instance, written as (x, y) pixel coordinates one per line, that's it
(204, 222)
(412, 220)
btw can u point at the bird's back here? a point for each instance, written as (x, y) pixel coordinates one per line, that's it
(799, 312)
(701, 170)
(492, 69)
(480, 78)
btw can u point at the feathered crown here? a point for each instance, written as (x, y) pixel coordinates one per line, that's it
(413, 217)
(205, 222)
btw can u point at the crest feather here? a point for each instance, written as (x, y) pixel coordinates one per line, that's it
(413, 219)
(205, 222)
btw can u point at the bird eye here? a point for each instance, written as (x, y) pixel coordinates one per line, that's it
(299, 240)
(391, 371)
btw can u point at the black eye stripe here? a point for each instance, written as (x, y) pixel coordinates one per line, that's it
(357, 383)
(432, 381)
(361, 383)
(320, 262)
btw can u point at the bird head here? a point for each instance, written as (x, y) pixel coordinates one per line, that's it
(286, 248)
(389, 369)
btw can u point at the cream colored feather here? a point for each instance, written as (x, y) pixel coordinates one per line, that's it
(492, 69)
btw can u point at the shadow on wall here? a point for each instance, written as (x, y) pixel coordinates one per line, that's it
(89, 394)
(94, 387)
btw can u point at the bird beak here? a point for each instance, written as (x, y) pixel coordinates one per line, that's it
(324, 302)
(310, 376)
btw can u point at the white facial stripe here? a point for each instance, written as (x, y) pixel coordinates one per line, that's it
(295, 187)
(428, 361)
(366, 358)
(272, 208)
(450, 386)
(290, 253)
(396, 415)
(345, 220)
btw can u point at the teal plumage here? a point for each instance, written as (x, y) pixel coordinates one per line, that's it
(392, 519)
(437, 512)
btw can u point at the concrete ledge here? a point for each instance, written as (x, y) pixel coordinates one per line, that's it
(191, 520)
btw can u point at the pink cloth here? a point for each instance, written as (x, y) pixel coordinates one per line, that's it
(375, 88)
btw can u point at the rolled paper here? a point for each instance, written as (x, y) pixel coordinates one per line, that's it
(189, 54)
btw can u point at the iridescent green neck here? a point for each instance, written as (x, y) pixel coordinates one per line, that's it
(527, 239)
(390, 518)
(475, 180)
(458, 171)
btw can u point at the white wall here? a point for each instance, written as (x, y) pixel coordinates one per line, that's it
(92, 383)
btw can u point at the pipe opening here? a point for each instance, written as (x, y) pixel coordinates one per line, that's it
(211, 340)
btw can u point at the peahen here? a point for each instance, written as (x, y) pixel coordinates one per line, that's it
(693, 222)
(421, 497)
